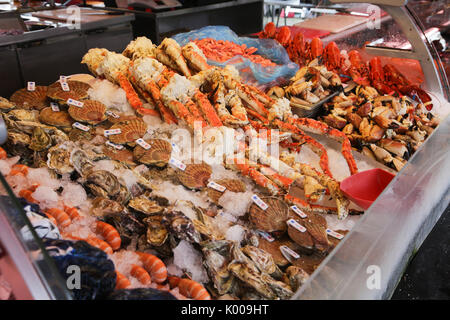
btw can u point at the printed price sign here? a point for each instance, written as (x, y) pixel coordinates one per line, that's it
(31, 86)
(296, 225)
(334, 234)
(112, 114)
(143, 144)
(115, 146)
(177, 163)
(54, 106)
(216, 186)
(75, 103)
(299, 212)
(80, 126)
(111, 132)
(288, 253)
(259, 202)
(266, 236)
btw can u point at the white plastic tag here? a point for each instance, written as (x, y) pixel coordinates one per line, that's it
(216, 186)
(75, 103)
(65, 86)
(266, 236)
(299, 212)
(54, 106)
(334, 234)
(115, 146)
(288, 253)
(259, 202)
(31, 86)
(175, 148)
(112, 114)
(112, 132)
(80, 126)
(177, 163)
(296, 225)
(143, 144)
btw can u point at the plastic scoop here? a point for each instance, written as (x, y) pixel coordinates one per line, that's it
(364, 187)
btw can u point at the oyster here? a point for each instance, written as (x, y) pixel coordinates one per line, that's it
(23, 115)
(102, 207)
(195, 176)
(105, 180)
(58, 159)
(131, 130)
(5, 105)
(55, 118)
(181, 227)
(40, 140)
(77, 91)
(123, 196)
(17, 144)
(273, 219)
(315, 237)
(25, 99)
(144, 205)
(156, 231)
(216, 258)
(295, 277)
(233, 185)
(263, 261)
(81, 162)
(158, 154)
(252, 278)
(92, 112)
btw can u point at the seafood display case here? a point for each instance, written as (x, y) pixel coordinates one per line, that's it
(368, 262)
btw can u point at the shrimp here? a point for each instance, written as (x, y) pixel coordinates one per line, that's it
(141, 274)
(72, 212)
(110, 234)
(121, 281)
(190, 288)
(19, 169)
(93, 241)
(3, 154)
(61, 217)
(27, 195)
(154, 266)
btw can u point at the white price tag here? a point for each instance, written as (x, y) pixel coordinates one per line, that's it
(112, 114)
(334, 234)
(296, 225)
(75, 103)
(266, 236)
(111, 132)
(65, 86)
(259, 202)
(216, 186)
(288, 253)
(175, 147)
(143, 144)
(115, 146)
(63, 79)
(31, 86)
(54, 106)
(80, 126)
(177, 163)
(299, 212)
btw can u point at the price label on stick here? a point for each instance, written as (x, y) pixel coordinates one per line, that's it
(299, 212)
(335, 234)
(75, 103)
(54, 106)
(143, 144)
(112, 114)
(115, 146)
(112, 132)
(288, 253)
(177, 163)
(296, 225)
(216, 186)
(81, 126)
(266, 236)
(31, 86)
(259, 202)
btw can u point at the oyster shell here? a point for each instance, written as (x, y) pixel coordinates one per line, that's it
(77, 135)
(77, 90)
(315, 237)
(295, 277)
(40, 140)
(23, 115)
(263, 261)
(181, 227)
(273, 219)
(157, 233)
(17, 144)
(92, 112)
(123, 196)
(233, 185)
(25, 99)
(81, 162)
(144, 205)
(195, 176)
(158, 154)
(105, 180)
(55, 118)
(5, 105)
(252, 278)
(131, 130)
(58, 159)
(102, 207)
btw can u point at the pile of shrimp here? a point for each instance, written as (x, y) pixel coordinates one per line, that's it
(224, 50)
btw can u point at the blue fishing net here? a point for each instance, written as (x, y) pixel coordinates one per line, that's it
(97, 273)
(250, 72)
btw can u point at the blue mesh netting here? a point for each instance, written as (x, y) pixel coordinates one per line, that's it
(250, 72)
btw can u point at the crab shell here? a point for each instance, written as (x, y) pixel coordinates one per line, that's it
(77, 90)
(273, 219)
(131, 130)
(55, 118)
(25, 99)
(92, 112)
(158, 155)
(195, 176)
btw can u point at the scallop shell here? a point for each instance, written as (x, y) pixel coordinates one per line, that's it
(121, 117)
(55, 118)
(195, 176)
(77, 135)
(158, 154)
(92, 112)
(233, 185)
(77, 90)
(131, 130)
(5, 105)
(25, 99)
(273, 219)
(274, 249)
(315, 237)
(124, 155)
